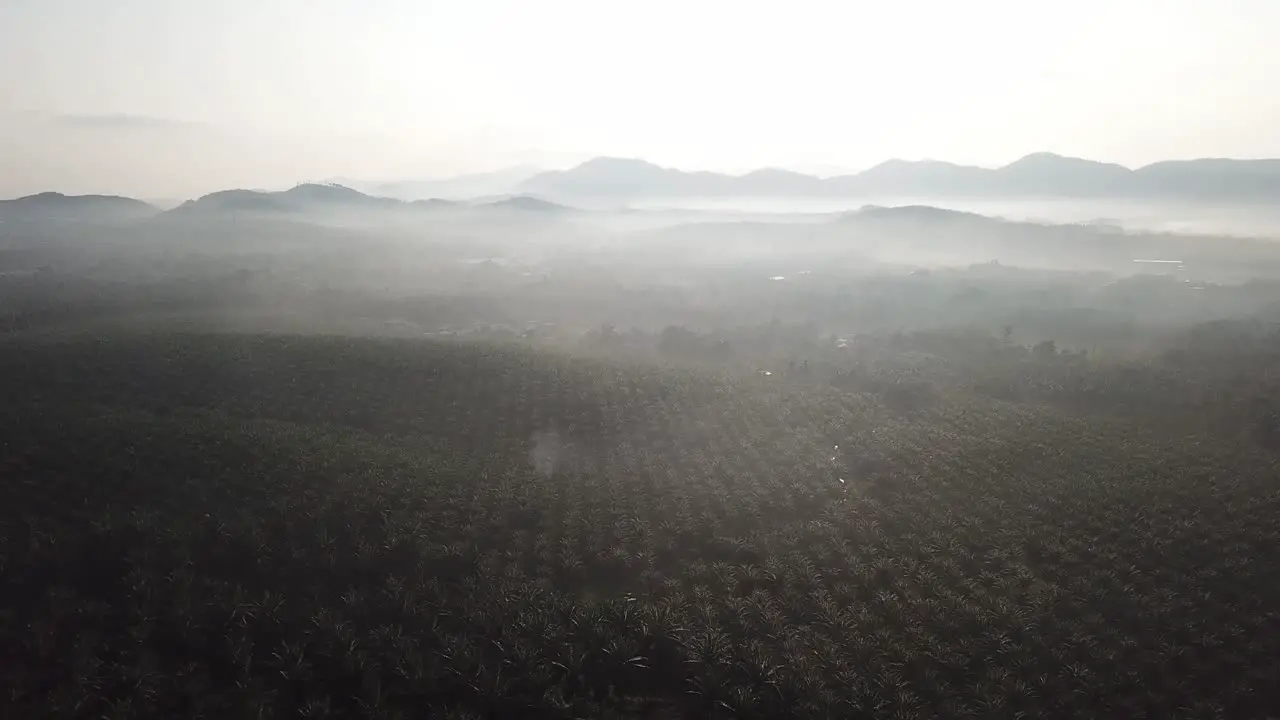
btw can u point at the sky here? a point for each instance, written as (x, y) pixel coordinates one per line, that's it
(173, 98)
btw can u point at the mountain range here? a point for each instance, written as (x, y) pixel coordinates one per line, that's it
(310, 216)
(1036, 175)
(310, 198)
(313, 197)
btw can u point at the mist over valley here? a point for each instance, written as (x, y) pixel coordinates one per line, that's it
(685, 360)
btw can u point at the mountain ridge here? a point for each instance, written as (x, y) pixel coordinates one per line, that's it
(1040, 174)
(49, 205)
(1036, 174)
(304, 199)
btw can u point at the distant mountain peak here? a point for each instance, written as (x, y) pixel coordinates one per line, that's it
(774, 172)
(1044, 155)
(328, 192)
(1049, 160)
(324, 187)
(619, 166)
(895, 166)
(923, 162)
(610, 162)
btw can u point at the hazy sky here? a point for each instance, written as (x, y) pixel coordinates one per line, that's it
(163, 98)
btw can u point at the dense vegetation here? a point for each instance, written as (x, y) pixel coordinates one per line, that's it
(737, 469)
(277, 526)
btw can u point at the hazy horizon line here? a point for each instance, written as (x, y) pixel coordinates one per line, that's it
(536, 169)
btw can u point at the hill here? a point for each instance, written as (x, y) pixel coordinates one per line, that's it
(613, 176)
(321, 195)
(54, 207)
(927, 235)
(1050, 174)
(319, 200)
(1036, 175)
(273, 526)
(637, 178)
(305, 198)
(918, 213)
(900, 177)
(1213, 179)
(524, 203)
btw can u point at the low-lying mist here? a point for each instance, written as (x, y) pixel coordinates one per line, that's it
(497, 437)
(331, 260)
